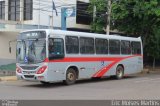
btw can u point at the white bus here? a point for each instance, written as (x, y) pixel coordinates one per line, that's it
(54, 55)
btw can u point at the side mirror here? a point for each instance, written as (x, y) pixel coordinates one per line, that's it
(10, 50)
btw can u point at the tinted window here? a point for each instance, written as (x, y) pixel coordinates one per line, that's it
(72, 45)
(125, 47)
(101, 46)
(136, 47)
(86, 45)
(56, 48)
(114, 46)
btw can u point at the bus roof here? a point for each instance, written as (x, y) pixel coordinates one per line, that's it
(84, 34)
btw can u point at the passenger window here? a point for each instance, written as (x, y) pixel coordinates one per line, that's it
(125, 47)
(136, 47)
(86, 45)
(72, 45)
(101, 46)
(114, 46)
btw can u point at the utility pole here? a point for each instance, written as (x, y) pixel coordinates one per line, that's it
(94, 16)
(39, 16)
(52, 21)
(108, 17)
(94, 13)
(63, 18)
(52, 14)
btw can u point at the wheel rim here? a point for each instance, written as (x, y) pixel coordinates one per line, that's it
(70, 76)
(119, 72)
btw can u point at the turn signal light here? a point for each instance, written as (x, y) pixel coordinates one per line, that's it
(18, 69)
(42, 70)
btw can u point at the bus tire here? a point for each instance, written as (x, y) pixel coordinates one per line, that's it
(119, 72)
(70, 76)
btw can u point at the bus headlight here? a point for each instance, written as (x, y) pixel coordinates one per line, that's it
(41, 70)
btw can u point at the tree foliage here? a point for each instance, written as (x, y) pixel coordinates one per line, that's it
(139, 18)
(132, 17)
(99, 21)
(136, 17)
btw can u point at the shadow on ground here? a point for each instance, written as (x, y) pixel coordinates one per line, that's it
(79, 82)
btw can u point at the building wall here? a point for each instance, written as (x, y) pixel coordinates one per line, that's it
(45, 13)
(42, 14)
(9, 31)
(5, 56)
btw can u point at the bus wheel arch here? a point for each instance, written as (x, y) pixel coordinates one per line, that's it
(72, 74)
(120, 71)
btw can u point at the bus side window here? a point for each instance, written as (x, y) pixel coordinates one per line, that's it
(136, 47)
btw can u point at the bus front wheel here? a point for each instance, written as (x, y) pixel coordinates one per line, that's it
(70, 77)
(119, 72)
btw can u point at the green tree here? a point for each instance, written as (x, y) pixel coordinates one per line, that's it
(139, 18)
(132, 17)
(99, 22)
(136, 17)
(152, 47)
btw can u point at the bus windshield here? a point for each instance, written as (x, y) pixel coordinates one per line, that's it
(31, 51)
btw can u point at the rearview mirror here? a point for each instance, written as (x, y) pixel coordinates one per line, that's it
(10, 50)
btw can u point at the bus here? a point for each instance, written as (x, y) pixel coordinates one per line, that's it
(47, 56)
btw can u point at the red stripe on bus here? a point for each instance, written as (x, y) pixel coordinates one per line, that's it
(102, 71)
(84, 59)
(105, 69)
(88, 59)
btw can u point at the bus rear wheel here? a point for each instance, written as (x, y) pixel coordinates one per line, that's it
(119, 72)
(70, 77)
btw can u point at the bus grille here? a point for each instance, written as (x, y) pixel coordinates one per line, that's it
(29, 67)
(29, 76)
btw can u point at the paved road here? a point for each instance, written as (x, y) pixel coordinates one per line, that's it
(146, 86)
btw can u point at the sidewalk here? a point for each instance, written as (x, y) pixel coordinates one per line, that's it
(8, 78)
(150, 70)
(6, 75)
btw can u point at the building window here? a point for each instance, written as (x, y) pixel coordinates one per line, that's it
(28, 8)
(87, 45)
(101, 46)
(2, 9)
(125, 47)
(114, 46)
(72, 45)
(83, 17)
(136, 47)
(14, 10)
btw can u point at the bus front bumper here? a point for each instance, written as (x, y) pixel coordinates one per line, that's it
(31, 77)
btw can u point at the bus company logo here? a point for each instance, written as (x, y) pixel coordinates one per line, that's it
(26, 59)
(9, 103)
(102, 63)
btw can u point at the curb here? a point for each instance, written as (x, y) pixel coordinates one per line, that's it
(8, 78)
(147, 71)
